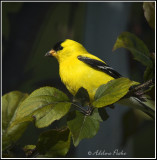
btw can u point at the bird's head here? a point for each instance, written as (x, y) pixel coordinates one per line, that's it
(64, 49)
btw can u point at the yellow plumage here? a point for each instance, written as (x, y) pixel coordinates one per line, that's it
(75, 73)
(78, 68)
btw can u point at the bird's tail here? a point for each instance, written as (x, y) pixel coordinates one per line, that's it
(146, 104)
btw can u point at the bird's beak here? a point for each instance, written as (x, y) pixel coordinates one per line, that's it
(51, 53)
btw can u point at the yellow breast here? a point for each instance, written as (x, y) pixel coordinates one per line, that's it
(76, 74)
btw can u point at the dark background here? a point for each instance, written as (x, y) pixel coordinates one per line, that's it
(30, 29)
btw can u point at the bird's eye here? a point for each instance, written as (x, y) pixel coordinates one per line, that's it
(57, 46)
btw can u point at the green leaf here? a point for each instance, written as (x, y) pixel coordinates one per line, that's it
(103, 114)
(54, 143)
(111, 92)
(135, 46)
(149, 73)
(10, 103)
(29, 149)
(82, 96)
(149, 13)
(83, 126)
(44, 105)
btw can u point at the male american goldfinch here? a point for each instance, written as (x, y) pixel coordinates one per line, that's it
(78, 68)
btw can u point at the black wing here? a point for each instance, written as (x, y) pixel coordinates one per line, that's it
(96, 64)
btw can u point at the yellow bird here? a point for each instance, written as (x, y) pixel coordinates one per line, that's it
(78, 68)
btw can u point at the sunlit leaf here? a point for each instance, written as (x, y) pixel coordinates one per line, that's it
(44, 105)
(149, 13)
(54, 143)
(83, 126)
(135, 46)
(10, 103)
(112, 91)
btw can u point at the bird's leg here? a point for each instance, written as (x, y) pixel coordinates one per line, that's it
(89, 110)
(81, 109)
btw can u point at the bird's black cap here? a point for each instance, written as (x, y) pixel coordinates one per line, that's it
(57, 46)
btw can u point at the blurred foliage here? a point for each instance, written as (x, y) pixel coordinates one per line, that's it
(7, 9)
(139, 132)
(139, 51)
(37, 27)
(10, 103)
(54, 143)
(29, 149)
(138, 25)
(149, 12)
(135, 46)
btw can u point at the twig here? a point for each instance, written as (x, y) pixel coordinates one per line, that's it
(138, 93)
(139, 89)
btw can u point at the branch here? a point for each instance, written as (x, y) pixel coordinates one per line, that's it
(138, 92)
(140, 89)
